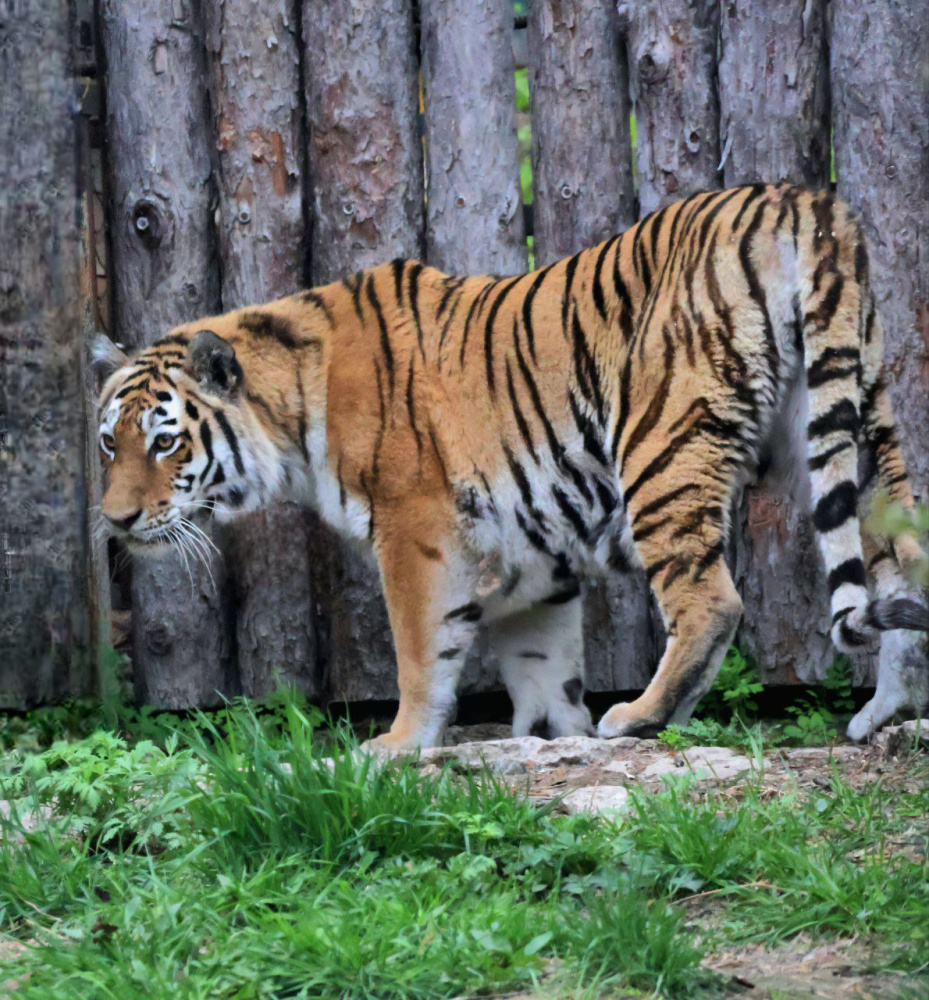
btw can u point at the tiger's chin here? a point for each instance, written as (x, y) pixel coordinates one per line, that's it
(151, 548)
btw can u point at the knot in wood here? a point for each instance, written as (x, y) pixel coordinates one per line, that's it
(157, 638)
(566, 191)
(147, 223)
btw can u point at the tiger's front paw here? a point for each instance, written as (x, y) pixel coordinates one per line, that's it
(392, 744)
(626, 719)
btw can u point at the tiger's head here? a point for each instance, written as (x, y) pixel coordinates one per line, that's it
(178, 440)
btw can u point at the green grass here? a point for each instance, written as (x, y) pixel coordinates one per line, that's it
(233, 861)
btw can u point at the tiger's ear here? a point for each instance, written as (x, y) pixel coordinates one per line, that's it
(212, 362)
(105, 356)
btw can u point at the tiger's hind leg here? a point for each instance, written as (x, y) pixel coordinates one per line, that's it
(680, 534)
(541, 652)
(903, 663)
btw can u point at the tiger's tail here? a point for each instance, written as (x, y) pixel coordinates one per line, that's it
(847, 402)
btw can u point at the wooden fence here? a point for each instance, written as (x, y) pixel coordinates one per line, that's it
(231, 151)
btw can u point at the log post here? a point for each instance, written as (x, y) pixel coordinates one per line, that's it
(581, 149)
(474, 208)
(671, 50)
(258, 128)
(366, 198)
(474, 205)
(165, 272)
(45, 628)
(880, 87)
(583, 193)
(773, 90)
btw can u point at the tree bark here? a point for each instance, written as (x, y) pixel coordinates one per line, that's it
(45, 629)
(366, 174)
(474, 218)
(773, 92)
(583, 193)
(581, 149)
(880, 85)
(257, 110)
(671, 49)
(165, 272)
(366, 162)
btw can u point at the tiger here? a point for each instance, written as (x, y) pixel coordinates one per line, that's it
(495, 442)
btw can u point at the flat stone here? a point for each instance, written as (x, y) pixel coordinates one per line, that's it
(703, 763)
(596, 799)
(530, 751)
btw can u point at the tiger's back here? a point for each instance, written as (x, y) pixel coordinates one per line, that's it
(499, 439)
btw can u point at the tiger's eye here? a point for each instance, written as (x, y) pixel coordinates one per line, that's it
(164, 441)
(108, 442)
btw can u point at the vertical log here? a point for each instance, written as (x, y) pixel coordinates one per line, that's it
(165, 273)
(367, 204)
(671, 48)
(880, 85)
(774, 92)
(582, 180)
(474, 218)
(44, 620)
(581, 150)
(773, 89)
(254, 57)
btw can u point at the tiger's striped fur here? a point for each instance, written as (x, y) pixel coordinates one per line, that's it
(498, 440)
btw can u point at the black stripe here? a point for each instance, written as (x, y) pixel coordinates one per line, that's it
(585, 368)
(554, 444)
(818, 462)
(191, 410)
(524, 431)
(820, 371)
(397, 265)
(416, 269)
(353, 283)
(593, 443)
(489, 332)
(570, 269)
(315, 299)
(382, 424)
(653, 506)
(572, 515)
(411, 408)
(269, 327)
(599, 298)
(475, 304)
(232, 440)
(563, 596)
(449, 654)
(756, 289)
(385, 339)
(527, 309)
(301, 420)
(206, 438)
(470, 612)
(851, 571)
(754, 192)
(842, 416)
(656, 407)
(836, 507)
(451, 286)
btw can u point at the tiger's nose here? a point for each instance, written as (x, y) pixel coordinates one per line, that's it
(125, 522)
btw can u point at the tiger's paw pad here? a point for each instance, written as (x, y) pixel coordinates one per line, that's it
(624, 720)
(390, 745)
